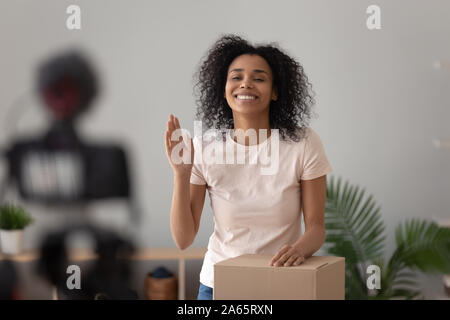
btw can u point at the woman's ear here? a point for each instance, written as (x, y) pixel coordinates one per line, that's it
(274, 94)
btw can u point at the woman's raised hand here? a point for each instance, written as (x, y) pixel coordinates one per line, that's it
(176, 160)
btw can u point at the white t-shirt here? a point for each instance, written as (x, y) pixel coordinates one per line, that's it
(254, 212)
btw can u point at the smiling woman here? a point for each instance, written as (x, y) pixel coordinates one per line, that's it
(289, 92)
(249, 87)
(243, 87)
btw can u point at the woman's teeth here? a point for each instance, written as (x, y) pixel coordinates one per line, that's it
(239, 97)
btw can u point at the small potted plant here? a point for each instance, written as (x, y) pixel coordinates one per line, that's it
(13, 220)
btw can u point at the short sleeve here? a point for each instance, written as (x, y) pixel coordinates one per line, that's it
(197, 176)
(315, 161)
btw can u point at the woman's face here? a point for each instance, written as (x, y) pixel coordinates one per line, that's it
(249, 86)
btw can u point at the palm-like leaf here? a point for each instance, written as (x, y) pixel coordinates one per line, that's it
(423, 245)
(354, 231)
(395, 281)
(346, 219)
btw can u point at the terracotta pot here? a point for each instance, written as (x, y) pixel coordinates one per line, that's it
(161, 288)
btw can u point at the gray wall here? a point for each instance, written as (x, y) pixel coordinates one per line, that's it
(379, 100)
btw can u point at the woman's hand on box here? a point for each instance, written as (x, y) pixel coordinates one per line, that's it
(287, 256)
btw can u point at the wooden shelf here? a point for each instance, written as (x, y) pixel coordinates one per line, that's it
(141, 254)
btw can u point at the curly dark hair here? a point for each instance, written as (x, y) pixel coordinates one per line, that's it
(290, 113)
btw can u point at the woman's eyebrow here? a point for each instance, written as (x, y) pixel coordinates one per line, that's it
(254, 70)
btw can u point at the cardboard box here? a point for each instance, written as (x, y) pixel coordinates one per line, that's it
(250, 277)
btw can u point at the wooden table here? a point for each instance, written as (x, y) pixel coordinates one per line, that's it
(141, 254)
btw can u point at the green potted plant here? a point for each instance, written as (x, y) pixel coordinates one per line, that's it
(355, 231)
(13, 220)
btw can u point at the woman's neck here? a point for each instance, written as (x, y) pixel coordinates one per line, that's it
(244, 123)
